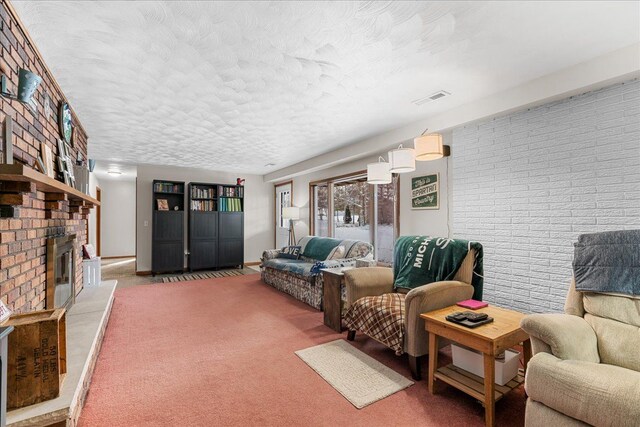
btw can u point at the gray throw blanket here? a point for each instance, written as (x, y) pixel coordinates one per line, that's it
(608, 262)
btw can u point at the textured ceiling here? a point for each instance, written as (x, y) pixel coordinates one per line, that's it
(235, 86)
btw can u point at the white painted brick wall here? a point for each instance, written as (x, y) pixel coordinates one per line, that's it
(527, 184)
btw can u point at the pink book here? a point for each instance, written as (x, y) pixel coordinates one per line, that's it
(472, 304)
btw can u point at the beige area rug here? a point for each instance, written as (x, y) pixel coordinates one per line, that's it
(361, 379)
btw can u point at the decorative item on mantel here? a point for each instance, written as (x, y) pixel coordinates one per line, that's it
(28, 82)
(64, 122)
(47, 158)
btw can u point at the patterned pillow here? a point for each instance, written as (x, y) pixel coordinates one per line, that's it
(290, 252)
(338, 252)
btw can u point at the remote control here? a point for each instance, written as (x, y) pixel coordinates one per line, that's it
(476, 317)
(457, 316)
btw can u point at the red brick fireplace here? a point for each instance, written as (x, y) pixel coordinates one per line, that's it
(34, 214)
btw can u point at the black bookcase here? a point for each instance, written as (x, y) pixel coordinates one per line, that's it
(203, 226)
(167, 254)
(216, 225)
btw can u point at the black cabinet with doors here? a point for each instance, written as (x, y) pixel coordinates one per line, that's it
(216, 226)
(167, 253)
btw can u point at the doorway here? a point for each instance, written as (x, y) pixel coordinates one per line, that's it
(284, 197)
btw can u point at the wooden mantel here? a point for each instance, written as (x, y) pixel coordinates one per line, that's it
(22, 173)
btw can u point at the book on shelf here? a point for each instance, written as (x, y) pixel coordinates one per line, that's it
(203, 205)
(203, 193)
(230, 204)
(226, 191)
(167, 187)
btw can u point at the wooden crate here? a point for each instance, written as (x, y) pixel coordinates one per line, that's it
(37, 359)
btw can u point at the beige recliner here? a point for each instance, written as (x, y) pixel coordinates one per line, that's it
(586, 363)
(413, 340)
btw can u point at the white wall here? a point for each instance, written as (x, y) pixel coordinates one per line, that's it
(258, 217)
(93, 183)
(527, 184)
(118, 218)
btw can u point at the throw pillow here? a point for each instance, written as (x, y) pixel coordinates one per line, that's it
(337, 252)
(290, 252)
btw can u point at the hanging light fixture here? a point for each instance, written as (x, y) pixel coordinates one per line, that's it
(430, 147)
(402, 160)
(379, 172)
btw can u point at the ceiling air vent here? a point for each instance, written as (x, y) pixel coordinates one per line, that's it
(432, 97)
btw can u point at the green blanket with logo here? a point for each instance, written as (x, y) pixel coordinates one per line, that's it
(423, 259)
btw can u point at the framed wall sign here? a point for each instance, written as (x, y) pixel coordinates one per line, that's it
(425, 192)
(64, 122)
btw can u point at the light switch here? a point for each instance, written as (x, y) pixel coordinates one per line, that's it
(146, 223)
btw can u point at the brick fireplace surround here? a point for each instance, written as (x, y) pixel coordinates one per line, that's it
(23, 238)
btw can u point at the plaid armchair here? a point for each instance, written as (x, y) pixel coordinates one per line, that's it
(392, 317)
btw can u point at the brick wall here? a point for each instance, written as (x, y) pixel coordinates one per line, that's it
(23, 237)
(527, 184)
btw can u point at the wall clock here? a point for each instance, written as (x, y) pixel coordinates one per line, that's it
(64, 122)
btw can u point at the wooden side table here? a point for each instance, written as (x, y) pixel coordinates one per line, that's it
(332, 296)
(490, 339)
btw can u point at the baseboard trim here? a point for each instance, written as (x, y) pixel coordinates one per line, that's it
(248, 264)
(143, 273)
(119, 256)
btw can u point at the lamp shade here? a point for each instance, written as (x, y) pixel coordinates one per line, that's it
(378, 173)
(28, 82)
(429, 147)
(402, 160)
(291, 212)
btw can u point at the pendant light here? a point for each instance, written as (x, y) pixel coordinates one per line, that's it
(402, 160)
(430, 147)
(379, 172)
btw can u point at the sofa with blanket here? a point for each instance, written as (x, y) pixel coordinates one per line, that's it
(302, 278)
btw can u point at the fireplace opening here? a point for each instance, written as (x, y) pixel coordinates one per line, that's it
(60, 290)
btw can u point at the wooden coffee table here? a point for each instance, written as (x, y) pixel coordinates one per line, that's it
(490, 339)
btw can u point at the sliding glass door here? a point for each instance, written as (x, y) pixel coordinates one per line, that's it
(348, 208)
(352, 210)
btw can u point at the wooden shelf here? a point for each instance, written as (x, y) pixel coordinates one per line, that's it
(44, 183)
(472, 384)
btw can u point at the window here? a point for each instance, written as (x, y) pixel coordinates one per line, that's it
(321, 212)
(347, 207)
(284, 200)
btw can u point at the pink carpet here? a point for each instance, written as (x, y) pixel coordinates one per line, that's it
(221, 352)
